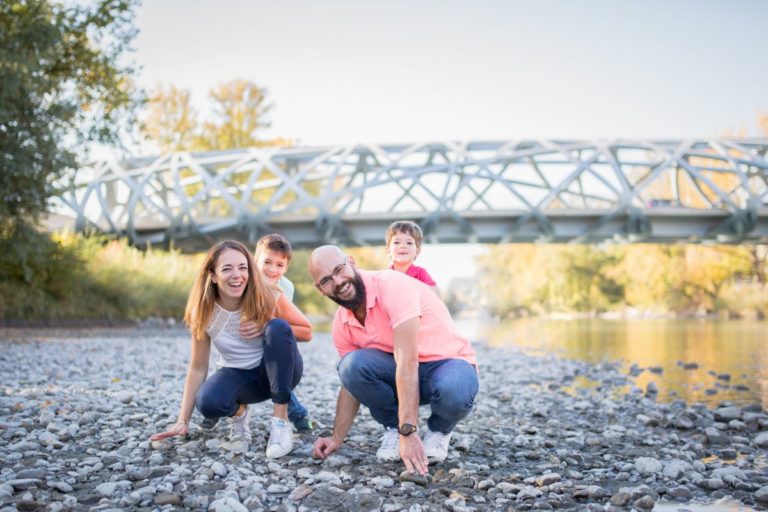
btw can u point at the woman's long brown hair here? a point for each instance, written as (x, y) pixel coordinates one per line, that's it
(257, 303)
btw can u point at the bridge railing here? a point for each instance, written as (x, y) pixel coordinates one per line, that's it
(509, 191)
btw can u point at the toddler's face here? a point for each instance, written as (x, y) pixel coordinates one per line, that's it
(272, 264)
(402, 248)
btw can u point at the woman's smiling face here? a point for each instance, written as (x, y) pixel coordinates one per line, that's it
(231, 275)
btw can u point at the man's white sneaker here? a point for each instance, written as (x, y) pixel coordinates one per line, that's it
(239, 427)
(389, 451)
(280, 438)
(436, 445)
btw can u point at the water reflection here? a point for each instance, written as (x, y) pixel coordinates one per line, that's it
(726, 360)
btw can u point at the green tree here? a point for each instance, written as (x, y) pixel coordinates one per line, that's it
(170, 122)
(240, 111)
(62, 84)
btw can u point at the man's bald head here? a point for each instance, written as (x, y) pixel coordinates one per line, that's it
(323, 260)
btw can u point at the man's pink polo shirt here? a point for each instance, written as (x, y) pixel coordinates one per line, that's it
(392, 298)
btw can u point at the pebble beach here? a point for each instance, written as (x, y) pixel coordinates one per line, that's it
(77, 409)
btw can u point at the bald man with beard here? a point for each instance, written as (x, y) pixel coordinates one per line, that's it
(399, 349)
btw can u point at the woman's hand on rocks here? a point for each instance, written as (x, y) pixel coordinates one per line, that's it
(250, 329)
(180, 428)
(324, 446)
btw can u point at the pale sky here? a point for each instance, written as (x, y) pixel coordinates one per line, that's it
(345, 72)
(342, 72)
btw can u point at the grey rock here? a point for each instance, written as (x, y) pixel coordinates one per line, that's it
(761, 440)
(761, 494)
(219, 469)
(680, 493)
(107, 489)
(589, 491)
(726, 414)
(227, 504)
(328, 477)
(136, 473)
(646, 503)
(124, 396)
(300, 492)
(38, 473)
(383, 482)
(167, 498)
(6, 491)
(547, 479)
(646, 465)
(21, 484)
(415, 478)
(675, 469)
(714, 436)
(711, 484)
(61, 487)
(621, 498)
(528, 493)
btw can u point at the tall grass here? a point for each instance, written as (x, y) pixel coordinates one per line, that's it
(76, 277)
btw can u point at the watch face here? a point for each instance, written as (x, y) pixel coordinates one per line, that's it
(406, 429)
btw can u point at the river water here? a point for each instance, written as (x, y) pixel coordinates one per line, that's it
(727, 360)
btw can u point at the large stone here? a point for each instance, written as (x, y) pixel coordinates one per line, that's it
(714, 436)
(547, 479)
(107, 489)
(726, 414)
(646, 465)
(675, 469)
(167, 498)
(761, 440)
(227, 504)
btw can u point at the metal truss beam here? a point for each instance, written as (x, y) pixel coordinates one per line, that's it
(511, 191)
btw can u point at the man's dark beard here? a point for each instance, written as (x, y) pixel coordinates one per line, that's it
(359, 299)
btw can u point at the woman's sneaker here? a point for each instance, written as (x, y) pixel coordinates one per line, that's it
(280, 438)
(239, 427)
(389, 451)
(436, 445)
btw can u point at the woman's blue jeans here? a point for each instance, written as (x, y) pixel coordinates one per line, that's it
(279, 372)
(448, 386)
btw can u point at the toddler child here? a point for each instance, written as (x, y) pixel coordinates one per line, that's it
(403, 240)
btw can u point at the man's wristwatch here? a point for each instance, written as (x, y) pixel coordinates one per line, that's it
(406, 429)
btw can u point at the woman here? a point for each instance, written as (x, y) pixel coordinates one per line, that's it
(251, 367)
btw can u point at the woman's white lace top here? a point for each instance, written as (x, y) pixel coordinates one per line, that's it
(234, 350)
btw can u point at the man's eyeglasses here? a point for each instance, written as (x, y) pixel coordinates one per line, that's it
(324, 282)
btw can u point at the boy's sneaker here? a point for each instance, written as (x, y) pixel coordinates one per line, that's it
(280, 438)
(239, 427)
(389, 451)
(436, 445)
(303, 424)
(209, 423)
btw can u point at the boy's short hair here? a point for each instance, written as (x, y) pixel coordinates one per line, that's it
(404, 226)
(275, 243)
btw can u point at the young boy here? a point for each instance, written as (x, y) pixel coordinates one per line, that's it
(273, 255)
(403, 240)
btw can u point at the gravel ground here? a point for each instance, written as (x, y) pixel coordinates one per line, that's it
(77, 409)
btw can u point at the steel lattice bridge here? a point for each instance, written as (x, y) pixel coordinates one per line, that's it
(487, 192)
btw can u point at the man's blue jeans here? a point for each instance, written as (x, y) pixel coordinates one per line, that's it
(279, 372)
(448, 386)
